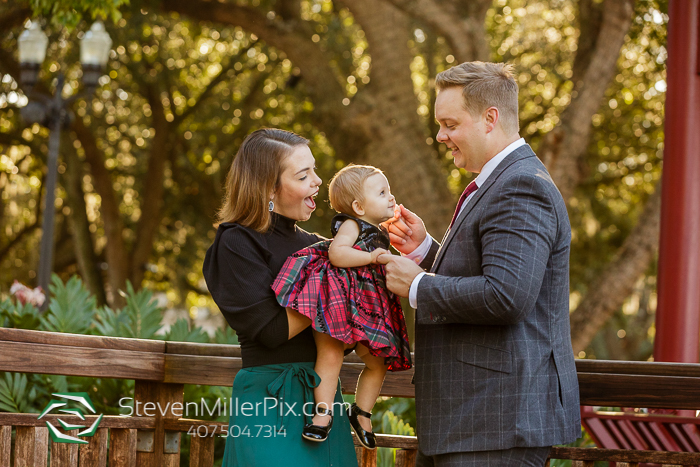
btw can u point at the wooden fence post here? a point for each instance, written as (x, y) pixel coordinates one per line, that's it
(366, 457)
(201, 451)
(64, 454)
(31, 446)
(156, 400)
(406, 457)
(5, 445)
(122, 447)
(94, 454)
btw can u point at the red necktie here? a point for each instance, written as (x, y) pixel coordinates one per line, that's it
(471, 188)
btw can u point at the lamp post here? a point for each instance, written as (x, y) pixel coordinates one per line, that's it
(54, 112)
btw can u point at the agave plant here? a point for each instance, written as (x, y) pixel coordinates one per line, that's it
(14, 395)
(72, 309)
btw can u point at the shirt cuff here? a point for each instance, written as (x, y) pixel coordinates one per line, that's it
(413, 291)
(421, 251)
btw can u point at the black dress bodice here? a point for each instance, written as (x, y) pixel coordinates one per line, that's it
(374, 237)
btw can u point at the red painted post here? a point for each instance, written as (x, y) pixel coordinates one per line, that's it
(678, 311)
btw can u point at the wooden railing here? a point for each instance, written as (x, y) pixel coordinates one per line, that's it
(161, 369)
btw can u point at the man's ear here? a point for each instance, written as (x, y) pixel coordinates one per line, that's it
(491, 117)
(357, 207)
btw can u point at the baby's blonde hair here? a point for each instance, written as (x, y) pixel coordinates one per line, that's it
(347, 185)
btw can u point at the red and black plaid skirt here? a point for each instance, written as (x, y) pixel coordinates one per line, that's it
(352, 305)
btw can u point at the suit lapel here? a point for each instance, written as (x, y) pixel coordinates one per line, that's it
(520, 153)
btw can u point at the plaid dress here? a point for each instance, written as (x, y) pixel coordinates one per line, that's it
(352, 305)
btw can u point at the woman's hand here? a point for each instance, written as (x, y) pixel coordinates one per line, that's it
(376, 253)
(406, 231)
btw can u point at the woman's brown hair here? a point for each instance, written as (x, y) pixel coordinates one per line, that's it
(254, 175)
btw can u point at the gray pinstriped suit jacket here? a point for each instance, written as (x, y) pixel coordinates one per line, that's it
(494, 363)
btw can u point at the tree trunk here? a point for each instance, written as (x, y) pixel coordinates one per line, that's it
(397, 136)
(381, 125)
(612, 287)
(80, 227)
(563, 148)
(115, 249)
(151, 197)
(460, 22)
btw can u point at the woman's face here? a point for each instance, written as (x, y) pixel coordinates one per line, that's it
(294, 198)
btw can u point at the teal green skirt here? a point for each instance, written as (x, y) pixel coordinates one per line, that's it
(269, 406)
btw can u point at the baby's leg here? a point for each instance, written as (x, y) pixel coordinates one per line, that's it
(369, 384)
(329, 360)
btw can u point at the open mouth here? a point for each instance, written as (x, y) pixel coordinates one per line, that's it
(309, 201)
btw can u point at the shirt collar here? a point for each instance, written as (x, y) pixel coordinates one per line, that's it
(491, 165)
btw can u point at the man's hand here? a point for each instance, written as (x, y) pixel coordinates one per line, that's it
(407, 231)
(400, 273)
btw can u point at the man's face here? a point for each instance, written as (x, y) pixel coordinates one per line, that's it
(463, 134)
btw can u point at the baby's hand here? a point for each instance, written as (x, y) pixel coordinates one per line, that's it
(376, 253)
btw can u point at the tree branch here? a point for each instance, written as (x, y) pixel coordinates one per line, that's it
(109, 210)
(210, 87)
(385, 113)
(152, 195)
(289, 10)
(563, 147)
(80, 225)
(461, 23)
(609, 291)
(290, 37)
(22, 233)
(27, 229)
(14, 18)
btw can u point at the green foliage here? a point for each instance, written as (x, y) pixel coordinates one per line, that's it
(143, 312)
(14, 396)
(402, 407)
(226, 335)
(16, 315)
(71, 309)
(391, 425)
(68, 13)
(112, 323)
(180, 331)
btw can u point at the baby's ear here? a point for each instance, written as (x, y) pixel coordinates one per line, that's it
(357, 207)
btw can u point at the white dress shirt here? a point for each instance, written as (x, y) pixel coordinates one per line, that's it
(419, 254)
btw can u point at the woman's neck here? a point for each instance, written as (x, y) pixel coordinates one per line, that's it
(282, 222)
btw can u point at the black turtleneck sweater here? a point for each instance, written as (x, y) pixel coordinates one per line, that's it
(239, 269)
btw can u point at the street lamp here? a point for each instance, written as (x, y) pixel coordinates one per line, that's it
(54, 112)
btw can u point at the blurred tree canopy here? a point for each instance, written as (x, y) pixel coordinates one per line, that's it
(142, 167)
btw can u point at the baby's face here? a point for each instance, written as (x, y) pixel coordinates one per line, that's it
(379, 203)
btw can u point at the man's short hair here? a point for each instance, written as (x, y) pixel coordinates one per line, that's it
(485, 85)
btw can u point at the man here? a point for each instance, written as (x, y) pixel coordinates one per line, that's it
(495, 377)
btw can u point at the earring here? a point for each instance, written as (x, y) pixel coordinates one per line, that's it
(270, 206)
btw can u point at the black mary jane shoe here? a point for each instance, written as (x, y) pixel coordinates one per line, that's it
(318, 433)
(366, 438)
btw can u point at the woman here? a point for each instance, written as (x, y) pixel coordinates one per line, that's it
(271, 186)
